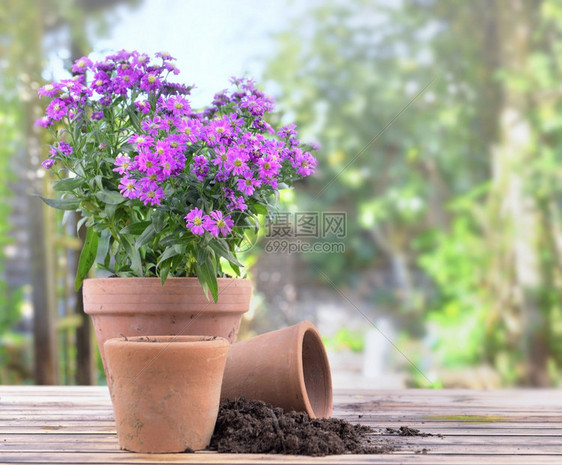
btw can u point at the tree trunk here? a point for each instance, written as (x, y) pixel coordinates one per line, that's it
(517, 211)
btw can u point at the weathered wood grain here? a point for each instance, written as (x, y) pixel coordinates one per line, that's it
(74, 425)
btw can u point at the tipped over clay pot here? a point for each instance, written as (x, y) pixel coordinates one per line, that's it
(165, 390)
(288, 368)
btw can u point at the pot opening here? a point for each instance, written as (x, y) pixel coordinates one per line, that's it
(317, 378)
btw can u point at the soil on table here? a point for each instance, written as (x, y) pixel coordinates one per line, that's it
(254, 427)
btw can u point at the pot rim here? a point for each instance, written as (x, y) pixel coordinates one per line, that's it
(163, 341)
(171, 279)
(306, 327)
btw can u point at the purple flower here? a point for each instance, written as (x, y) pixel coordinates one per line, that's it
(57, 109)
(147, 162)
(216, 223)
(269, 166)
(164, 55)
(44, 122)
(178, 106)
(81, 65)
(237, 203)
(150, 193)
(65, 149)
(128, 188)
(196, 220)
(97, 115)
(141, 140)
(190, 128)
(143, 106)
(151, 81)
(304, 163)
(123, 163)
(200, 167)
(49, 90)
(248, 184)
(48, 163)
(237, 161)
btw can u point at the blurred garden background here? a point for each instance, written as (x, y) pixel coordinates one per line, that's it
(440, 123)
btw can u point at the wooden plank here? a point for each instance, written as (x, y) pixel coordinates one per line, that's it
(75, 425)
(125, 458)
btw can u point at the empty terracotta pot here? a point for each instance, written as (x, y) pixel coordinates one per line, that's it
(165, 390)
(288, 368)
(140, 306)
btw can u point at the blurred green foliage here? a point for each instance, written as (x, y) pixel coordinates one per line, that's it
(346, 338)
(441, 128)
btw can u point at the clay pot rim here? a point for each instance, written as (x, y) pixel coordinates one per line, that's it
(160, 341)
(245, 282)
(304, 328)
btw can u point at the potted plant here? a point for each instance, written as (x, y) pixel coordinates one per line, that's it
(167, 192)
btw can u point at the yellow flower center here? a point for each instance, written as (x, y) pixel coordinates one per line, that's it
(197, 221)
(151, 78)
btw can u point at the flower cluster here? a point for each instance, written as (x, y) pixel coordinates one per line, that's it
(127, 129)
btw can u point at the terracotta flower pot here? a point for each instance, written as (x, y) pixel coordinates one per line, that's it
(140, 306)
(288, 368)
(165, 390)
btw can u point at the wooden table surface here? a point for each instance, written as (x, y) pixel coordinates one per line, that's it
(64, 425)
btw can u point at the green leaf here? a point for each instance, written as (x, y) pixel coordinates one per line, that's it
(164, 271)
(160, 220)
(221, 249)
(103, 246)
(87, 257)
(110, 197)
(208, 277)
(260, 209)
(135, 228)
(146, 236)
(134, 257)
(67, 184)
(170, 252)
(69, 203)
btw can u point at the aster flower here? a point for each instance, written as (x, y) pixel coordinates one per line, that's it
(268, 166)
(128, 188)
(150, 193)
(57, 109)
(196, 220)
(123, 163)
(141, 140)
(44, 122)
(248, 184)
(143, 106)
(48, 163)
(217, 223)
(49, 90)
(81, 65)
(237, 161)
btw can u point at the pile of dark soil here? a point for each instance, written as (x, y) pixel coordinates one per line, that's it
(254, 427)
